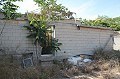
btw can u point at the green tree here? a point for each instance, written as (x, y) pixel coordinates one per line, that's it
(104, 21)
(53, 11)
(8, 8)
(37, 30)
(49, 11)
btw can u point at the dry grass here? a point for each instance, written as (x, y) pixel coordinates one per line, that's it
(104, 66)
(11, 70)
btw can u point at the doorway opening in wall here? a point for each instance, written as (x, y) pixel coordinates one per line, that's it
(50, 35)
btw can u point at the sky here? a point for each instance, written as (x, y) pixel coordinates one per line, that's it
(86, 9)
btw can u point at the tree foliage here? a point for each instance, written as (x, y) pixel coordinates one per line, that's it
(9, 9)
(38, 30)
(53, 11)
(104, 21)
(49, 11)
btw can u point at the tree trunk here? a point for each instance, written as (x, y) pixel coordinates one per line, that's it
(38, 53)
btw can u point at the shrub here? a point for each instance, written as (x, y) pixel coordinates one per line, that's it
(8, 69)
(105, 55)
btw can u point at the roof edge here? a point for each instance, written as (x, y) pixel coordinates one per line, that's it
(95, 27)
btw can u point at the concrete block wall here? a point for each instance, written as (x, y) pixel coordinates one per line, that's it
(2, 15)
(83, 41)
(14, 37)
(74, 41)
(117, 41)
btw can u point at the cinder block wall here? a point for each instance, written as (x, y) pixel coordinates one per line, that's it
(83, 41)
(117, 41)
(13, 37)
(1, 15)
(74, 41)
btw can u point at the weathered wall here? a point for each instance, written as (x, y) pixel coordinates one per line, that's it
(117, 41)
(13, 37)
(82, 41)
(1, 15)
(74, 41)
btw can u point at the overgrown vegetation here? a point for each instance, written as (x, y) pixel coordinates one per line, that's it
(104, 21)
(100, 68)
(49, 11)
(106, 55)
(39, 30)
(105, 65)
(11, 68)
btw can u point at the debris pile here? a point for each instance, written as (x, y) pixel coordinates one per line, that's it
(79, 60)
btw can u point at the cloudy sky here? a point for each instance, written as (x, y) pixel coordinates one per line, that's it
(87, 9)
